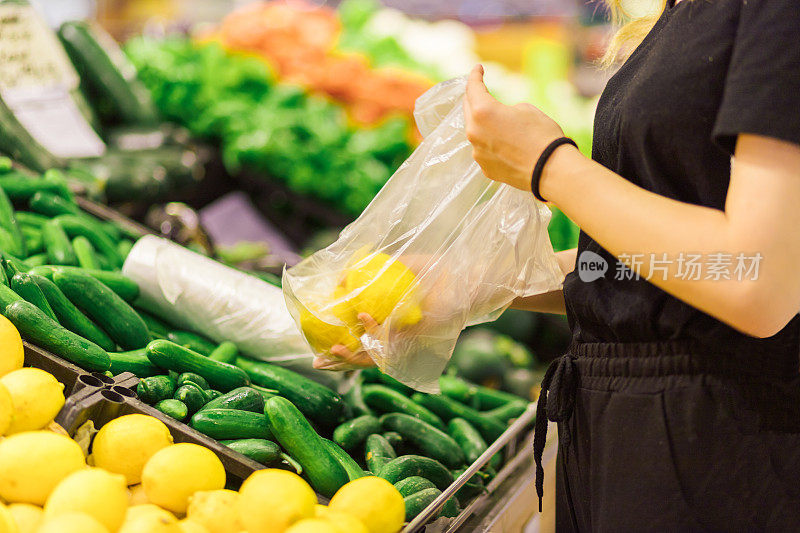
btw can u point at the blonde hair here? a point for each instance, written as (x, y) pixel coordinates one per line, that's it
(631, 31)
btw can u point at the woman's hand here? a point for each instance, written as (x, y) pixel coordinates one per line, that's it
(506, 140)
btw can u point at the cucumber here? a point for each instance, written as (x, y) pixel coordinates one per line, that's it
(417, 465)
(226, 352)
(57, 244)
(75, 226)
(471, 488)
(8, 221)
(52, 205)
(468, 438)
(134, 361)
(457, 388)
(433, 442)
(448, 408)
(21, 188)
(105, 307)
(196, 343)
(377, 452)
(213, 394)
(451, 508)
(124, 248)
(243, 398)
(394, 439)
(298, 439)
(171, 356)
(7, 297)
(154, 389)
(37, 259)
(314, 400)
(33, 241)
(231, 424)
(412, 485)
(191, 377)
(157, 329)
(173, 408)
(486, 398)
(260, 450)
(373, 375)
(265, 393)
(345, 461)
(418, 501)
(388, 400)
(40, 329)
(192, 396)
(125, 288)
(23, 284)
(352, 433)
(355, 399)
(71, 317)
(84, 252)
(30, 220)
(506, 412)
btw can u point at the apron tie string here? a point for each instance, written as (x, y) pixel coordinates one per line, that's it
(559, 387)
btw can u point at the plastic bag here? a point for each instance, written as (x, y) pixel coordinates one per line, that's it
(440, 247)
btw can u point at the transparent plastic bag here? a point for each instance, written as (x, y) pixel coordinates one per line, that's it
(440, 247)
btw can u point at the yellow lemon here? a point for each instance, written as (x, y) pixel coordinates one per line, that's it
(136, 495)
(12, 353)
(37, 397)
(343, 522)
(27, 516)
(378, 284)
(72, 522)
(216, 510)
(149, 518)
(135, 511)
(176, 472)
(372, 500)
(312, 525)
(93, 491)
(190, 526)
(34, 462)
(271, 500)
(126, 443)
(6, 409)
(321, 335)
(8, 523)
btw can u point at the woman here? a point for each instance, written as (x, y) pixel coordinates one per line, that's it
(678, 402)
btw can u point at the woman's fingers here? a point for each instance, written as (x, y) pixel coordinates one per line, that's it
(478, 97)
(369, 323)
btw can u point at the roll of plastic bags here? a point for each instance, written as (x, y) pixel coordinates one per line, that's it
(440, 247)
(200, 294)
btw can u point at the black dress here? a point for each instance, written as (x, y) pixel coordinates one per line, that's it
(670, 420)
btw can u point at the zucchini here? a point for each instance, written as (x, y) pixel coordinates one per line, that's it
(173, 408)
(191, 377)
(417, 465)
(433, 442)
(57, 244)
(40, 329)
(23, 284)
(388, 400)
(314, 400)
(135, 362)
(345, 461)
(468, 438)
(71, 317)
(260, 450)
(226, 352)
(75, 226)
(192, 396)
(506, 412)
(243, 398)
(412, 485)
(125, 288)
(84, 252)
(9, 223)
(171, 356)
(377, 452)
(417, 502)
(448, 408)
(193, 341)
(231, 424)
(298, 439)
(154, 389)
(105, 307)
(352, 433)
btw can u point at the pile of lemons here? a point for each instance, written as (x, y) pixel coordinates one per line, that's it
(136, 480)
(373, 283)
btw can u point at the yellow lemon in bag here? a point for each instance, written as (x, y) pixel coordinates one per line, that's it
(321, 335)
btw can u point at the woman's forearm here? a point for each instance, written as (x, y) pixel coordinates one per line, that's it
(633, 223)
(549, 302)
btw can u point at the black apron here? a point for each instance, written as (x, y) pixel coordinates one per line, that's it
(660, 437)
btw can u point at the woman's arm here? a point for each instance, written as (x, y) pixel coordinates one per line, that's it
(549, 302)
(761, 216)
